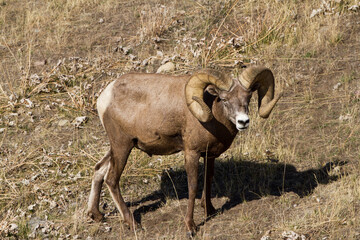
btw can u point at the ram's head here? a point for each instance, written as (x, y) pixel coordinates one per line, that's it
(234, 94)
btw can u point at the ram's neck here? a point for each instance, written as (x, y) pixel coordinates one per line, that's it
(221, 116)
(220, 127)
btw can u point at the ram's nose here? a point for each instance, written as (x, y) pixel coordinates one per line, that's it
(242, 121)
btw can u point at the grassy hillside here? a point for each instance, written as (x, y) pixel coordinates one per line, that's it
(294, 173)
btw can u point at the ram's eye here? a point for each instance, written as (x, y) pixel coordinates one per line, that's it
(224, 100)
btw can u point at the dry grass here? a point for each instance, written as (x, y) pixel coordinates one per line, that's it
(56, 56)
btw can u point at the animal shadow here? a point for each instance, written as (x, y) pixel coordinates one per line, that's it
(238, 181)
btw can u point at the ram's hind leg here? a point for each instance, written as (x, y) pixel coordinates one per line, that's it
(101, 169)
(119, 155)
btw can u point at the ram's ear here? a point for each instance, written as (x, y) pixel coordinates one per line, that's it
(212, 90)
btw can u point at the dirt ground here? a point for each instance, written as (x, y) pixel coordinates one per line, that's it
(292, 176)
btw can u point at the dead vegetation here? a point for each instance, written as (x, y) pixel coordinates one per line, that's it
(297, 174)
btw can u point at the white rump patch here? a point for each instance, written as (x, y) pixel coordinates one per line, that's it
(104, 100)
(242, 121)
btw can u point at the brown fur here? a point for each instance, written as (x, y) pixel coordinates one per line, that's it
(149, 112)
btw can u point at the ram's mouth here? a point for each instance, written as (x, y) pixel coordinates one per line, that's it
(240, 129)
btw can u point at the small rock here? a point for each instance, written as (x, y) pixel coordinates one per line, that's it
(266, 235)
(35, 223)
(95, 137)
(101, 20)
(345, 117)
(336, 86)
(145, 62)
(33, 178)
(132, 57)
(80, 121)
(2, 130)
(126, 50)
(63, 122)
(167, 67)
(11, 124)
(28, 103)
(31, 207)
(53, 204)
(36, 188)
(40, 63)
(35, 79)
(357, 94)
(315, 12)
(236, 42)
(13, 227)
(21, 212)
(25, 182)
(32, 235)
(353, 8)
(159, 54)
(269, 153)
(291, 235)
(157, 39)
(13, 97)
(47, 108)
(165, 60)
(77, 176)
(118, 39)
(337, 170)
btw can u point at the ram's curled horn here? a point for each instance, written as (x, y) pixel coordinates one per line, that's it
(194, 91)
(261, 79)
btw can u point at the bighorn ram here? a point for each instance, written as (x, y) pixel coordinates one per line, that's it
(160, 114)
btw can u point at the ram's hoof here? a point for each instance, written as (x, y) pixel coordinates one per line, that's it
(96, 216)
(191, 229)
(190, 234)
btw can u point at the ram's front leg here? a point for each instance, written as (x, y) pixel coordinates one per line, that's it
(191, 167)
(206, 195)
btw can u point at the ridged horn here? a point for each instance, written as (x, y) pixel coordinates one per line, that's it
(194, 91)
(261, 79)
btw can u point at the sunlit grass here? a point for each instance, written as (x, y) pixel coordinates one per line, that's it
(73, 47)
